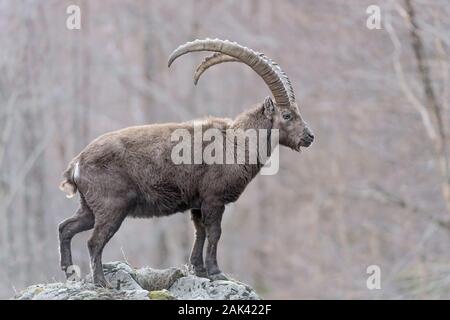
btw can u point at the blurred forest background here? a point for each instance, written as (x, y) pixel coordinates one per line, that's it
(373, 189)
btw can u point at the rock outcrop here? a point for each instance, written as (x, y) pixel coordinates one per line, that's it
(142, 284)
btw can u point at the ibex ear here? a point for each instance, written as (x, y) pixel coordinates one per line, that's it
(269, 107)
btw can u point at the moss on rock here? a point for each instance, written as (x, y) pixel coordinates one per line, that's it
(160, 295)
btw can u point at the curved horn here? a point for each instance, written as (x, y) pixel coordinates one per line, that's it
(210, 61)
(277, 81)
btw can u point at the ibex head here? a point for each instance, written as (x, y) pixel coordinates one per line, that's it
(284, 113)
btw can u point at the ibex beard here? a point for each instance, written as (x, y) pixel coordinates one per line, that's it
(130, 172)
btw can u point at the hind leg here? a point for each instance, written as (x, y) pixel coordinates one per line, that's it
(107, 222)
(82, 220)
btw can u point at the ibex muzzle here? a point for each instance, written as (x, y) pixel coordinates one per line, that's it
(307, 137)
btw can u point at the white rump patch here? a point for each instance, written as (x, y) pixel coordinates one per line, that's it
(76, 171)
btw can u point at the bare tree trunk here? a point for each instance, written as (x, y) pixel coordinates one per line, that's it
(431, 102)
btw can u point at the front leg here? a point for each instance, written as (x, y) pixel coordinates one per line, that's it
(212, 218)
(197, 249)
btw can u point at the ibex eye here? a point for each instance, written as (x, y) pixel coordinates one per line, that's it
(287, 116)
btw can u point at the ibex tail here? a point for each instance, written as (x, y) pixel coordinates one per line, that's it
(68, 185)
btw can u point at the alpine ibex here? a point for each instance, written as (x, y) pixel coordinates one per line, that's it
(130, 173)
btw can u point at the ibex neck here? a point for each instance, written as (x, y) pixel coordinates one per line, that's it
(255, 119)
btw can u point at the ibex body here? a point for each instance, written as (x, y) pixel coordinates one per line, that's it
(130, 172)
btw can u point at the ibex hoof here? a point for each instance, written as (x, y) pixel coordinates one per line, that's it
(201, 273)
(218, 276)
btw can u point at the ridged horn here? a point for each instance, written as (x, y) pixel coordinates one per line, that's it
(275, 78)
(210, 61)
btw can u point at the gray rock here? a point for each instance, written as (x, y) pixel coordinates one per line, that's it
(194, 288)
(142, 284)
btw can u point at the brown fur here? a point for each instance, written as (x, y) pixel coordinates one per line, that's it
(130, 173)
